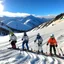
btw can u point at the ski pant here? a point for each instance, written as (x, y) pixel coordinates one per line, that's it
(13, 44)
(25, 42)
(52, 46)
(40, 48)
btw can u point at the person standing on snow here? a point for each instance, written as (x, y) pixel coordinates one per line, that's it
(53, 43)
(13, 40)
(40, 40)
(25, 41)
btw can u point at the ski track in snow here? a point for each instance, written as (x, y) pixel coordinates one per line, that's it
(24, 57)
(29, 58)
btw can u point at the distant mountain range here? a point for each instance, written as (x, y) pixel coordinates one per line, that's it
(52, 22)
(21, 24)
(27, 23)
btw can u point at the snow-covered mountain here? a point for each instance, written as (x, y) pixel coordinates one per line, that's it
(59, 18)
(24, 23)
(8, 56)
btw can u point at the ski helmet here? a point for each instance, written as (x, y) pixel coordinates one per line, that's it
(52, 35)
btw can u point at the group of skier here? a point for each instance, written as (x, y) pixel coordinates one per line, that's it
(52, 42)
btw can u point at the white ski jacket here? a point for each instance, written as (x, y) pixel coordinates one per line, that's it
(25, 38)
(13, 38)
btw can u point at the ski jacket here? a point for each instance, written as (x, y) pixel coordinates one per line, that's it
(25, 38)
(39, 38)
(13, 38)
(52, 41)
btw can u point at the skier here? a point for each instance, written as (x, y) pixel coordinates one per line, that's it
(40, 40)
(13, 40)
(53, 43)
(25, 41)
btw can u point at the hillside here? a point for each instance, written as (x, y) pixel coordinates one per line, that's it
(57, 19)
(14, 56)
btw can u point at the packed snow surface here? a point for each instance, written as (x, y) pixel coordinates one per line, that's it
(9, 56)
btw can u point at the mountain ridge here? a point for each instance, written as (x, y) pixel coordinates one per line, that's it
(45, 24)
(21, 24)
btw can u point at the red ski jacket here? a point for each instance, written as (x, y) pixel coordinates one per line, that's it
(52, 41)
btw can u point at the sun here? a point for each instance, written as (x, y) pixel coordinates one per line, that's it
(1, 7)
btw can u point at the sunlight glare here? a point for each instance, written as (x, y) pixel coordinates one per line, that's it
(1, 7)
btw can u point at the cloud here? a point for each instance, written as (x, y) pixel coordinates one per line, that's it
(10, 14)
(47, 16)
(18, 14)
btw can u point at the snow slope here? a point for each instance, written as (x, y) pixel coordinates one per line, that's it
(8, 56)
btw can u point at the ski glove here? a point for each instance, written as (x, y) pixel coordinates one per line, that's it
(56, 45)
(47, 44)
(22, 38)
(34, 40)
(9, 40)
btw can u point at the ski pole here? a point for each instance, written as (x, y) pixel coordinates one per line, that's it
(58, 51)
(46, 49)
(62, 51)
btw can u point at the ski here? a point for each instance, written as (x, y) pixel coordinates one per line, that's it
(14, 48)
(21, 49)
(53, 55)
(62, 51)
(36, 52)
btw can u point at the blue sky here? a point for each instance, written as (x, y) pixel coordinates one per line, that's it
(37, 7)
